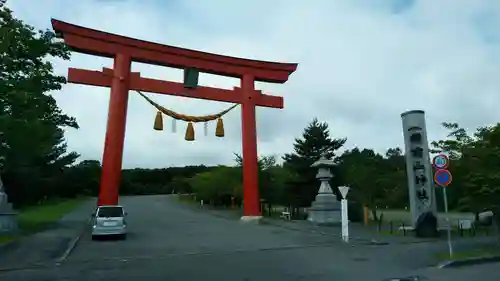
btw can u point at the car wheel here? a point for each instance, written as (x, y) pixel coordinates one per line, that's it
(94, 237)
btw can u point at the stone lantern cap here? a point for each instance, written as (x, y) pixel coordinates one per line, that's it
(323, 162)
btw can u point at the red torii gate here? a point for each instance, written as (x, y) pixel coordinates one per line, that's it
(120, 79)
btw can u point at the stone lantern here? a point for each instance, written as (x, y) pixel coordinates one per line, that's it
(8, 222)
(326, 208)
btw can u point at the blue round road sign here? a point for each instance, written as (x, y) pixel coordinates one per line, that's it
(441, 161)
(442, 177)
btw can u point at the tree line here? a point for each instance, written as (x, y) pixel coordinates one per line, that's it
(39, 167)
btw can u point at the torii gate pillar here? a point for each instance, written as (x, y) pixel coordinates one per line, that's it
(251, 204)
(115, 132)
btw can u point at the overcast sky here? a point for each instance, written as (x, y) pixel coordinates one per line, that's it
(361, 64)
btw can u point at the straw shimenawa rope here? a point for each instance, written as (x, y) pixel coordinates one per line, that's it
(158, 125)
(186, 118)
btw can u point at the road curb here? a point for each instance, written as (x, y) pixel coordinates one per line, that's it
(469, 261)
(11, 244)
(24, 267)
(72, 244)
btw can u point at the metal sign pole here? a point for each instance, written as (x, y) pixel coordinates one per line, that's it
(445, 198)
(443, 178)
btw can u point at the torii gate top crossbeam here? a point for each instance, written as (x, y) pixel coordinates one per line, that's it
(99, 43)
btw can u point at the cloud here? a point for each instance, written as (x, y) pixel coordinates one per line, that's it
(361, 64)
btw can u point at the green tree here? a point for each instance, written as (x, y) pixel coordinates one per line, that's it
(180, 185)
(482, 185)
(218, 184)
(315, 143)
(474, 164)
(264, 162)
(456, 143)
(84, 178)
(29, 116)
(271, 178)
(361, 171)
(393, 179)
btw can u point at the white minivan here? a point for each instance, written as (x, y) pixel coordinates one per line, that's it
(109, 220)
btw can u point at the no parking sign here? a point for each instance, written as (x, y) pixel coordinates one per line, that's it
(442, 177)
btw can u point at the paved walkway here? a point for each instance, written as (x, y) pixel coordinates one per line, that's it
(424, 250)
(358, 233)
(48, 245)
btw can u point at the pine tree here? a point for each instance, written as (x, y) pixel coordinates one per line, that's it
(315, 143)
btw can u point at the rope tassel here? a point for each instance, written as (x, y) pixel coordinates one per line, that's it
(189, 132)
(219, 130)
(158, 122)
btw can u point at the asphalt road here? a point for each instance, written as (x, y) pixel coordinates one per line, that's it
(171, 241)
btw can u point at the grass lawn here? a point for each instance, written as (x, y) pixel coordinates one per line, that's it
(443, 233)
(186, 199)
(398, 216)
(36, 218)
(469, 254)
(7, 238)
(395, 232)
(404, 216)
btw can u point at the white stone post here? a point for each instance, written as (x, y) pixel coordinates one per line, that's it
(345, 217)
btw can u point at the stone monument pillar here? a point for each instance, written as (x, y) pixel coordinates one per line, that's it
(8, 221)
(325, 209)
(419, 172)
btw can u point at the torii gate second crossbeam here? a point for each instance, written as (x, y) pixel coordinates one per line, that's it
(120, 79)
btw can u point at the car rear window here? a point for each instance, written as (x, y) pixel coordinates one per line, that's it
(110, 212)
